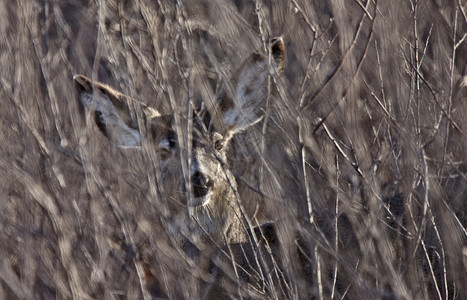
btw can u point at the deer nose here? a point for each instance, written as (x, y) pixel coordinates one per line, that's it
(200, 184)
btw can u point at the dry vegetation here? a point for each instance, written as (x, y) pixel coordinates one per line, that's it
(360, 161)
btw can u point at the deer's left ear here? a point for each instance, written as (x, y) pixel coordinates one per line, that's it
(242, 102)
(111, 113)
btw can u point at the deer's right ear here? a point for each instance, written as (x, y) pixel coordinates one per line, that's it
(241, 102)
(111, 113)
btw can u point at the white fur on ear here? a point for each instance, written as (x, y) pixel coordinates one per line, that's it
(128, 137)
(250, 88)
(250, 95)
(116, 129)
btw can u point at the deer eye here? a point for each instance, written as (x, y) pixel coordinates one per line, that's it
(217, 141)
(169, 142)
(166, 145)
(172, 139)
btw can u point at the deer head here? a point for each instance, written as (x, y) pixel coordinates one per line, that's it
(209, 196)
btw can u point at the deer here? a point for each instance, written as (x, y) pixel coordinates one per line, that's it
(205, 203)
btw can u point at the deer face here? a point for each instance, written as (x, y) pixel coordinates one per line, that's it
(202, 186)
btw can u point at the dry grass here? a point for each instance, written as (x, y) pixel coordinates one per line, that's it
(360, 162)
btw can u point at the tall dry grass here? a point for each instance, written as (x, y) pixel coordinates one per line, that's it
(360, 161)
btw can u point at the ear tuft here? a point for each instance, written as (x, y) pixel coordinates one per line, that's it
(278, 53)
(82, 83)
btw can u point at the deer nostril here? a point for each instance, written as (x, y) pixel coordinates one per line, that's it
(200, 184)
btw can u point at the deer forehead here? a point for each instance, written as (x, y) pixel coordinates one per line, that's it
(207, 160)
